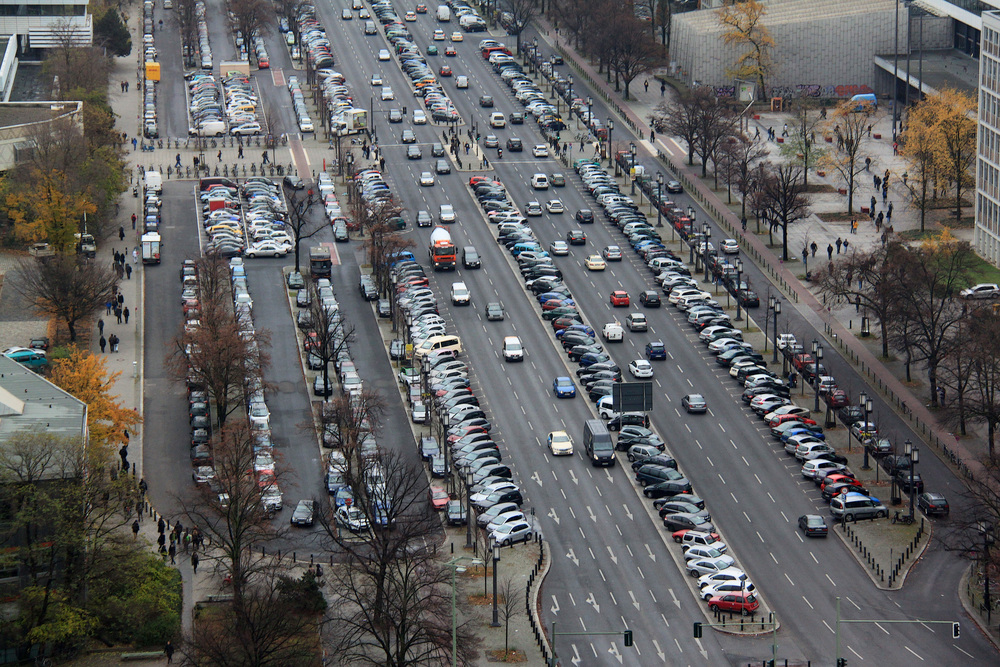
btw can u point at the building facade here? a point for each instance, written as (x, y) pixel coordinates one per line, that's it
(44, 24)
(987, 232)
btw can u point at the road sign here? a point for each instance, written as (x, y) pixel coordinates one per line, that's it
(632, 396)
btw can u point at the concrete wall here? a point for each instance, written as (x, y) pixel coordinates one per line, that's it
(939, 33)
(21, 134)
(829, 57)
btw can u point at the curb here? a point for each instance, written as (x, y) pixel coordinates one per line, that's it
(973, 615)
(901, 579)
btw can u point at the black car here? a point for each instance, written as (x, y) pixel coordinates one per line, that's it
(628, 419)
(294, 182)
(748, 298)
(684, 521)
(664, 460)
(515, 145)
(650, 299)
(486, 101)
(849, 414)
(585, 216)
(437, 150)
(304, 513)
(676, 506)
(831, 490)
(904, 478)
(933, 503)
(368, 290)
(666, 489)
(638, 435)
(384, 308)
(895, 463)
(813, 525)
(295, 280)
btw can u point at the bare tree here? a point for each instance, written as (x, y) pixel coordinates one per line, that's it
(866, 280)
(634, 51)
(327, 336)
(185, 15)
(222, 353)
(65, 287)
(927, 283)
(782, 197)
(681, 118)
(521, 14)
(984, 399)
(250, 18)
(850, 122)
(801, 146)
(957, 375)
(395, 606)
(745, 154)
(509, 607)
(302, 219)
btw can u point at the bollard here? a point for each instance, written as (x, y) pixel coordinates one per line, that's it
(293, 557)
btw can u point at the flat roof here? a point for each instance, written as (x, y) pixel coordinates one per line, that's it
(23, 113)
(28, 401)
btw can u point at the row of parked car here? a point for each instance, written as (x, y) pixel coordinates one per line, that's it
(414, 64)
(150, 125)
(205, 105)
(245, 220)
(299, 105)
(313, 42)
(241, 105)
(524, 89)
(204, 46)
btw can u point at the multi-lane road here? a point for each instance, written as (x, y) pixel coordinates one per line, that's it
(613, 567)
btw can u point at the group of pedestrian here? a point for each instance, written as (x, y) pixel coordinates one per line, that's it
(121, 265)
(124, 85)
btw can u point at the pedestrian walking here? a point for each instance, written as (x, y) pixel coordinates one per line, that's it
(239, 152)
(126, 86)
(873, 203)
(743, 223)
(895, 148)
(876, 181)
(868, 163)
(135, 255)
(885, 193)
(177, 160)
(194, 562)
(888, 212)
(906, 175)
(845, 246)
(135, 529)
(118, 314)
(160, 525)
(840, 242)
(663, 88)
(814, 248)
(869, 130)
(645, 85)
(829, 251)
(100, 326)
(121, 299)
(264, 157)
(784, 130)
(188, 540)
(113, 340)
(128, 276)
(121, 233)
(161, 540)
(854, 226)
(103, 343)
(756, 134)
(219, 156)
(135, 142)
(134, 218)
(126, 313)
(169, 650)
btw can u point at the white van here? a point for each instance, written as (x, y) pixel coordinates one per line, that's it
(461, 81)
(512, 349)
(540, 182)
(438, 343)
(209, 128)
(444, 14)
(460, 295)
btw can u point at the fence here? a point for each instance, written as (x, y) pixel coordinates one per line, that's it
(919, 426)
(894, 569)
(538, 572)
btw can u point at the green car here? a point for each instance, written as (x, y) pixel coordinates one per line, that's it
(561, 311)
(33, 359)
(432, 50)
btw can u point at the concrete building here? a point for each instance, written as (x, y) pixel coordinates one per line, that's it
(21, 122)
(44, 24)
(987, 233)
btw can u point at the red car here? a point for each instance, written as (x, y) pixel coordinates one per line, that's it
(263, 63)
(838, 477)
(439, 497)
(781, 419)
(678, 535)
(619, 298)
(450, 51)
(802, 360)
(837, 398)
(746, 603)
(445, 71)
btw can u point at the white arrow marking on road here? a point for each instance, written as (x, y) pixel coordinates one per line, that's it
(614, 558)
(576, 659)
(572, 476)
(701, 649)
(552, 515)
(659, 651)
(572, 557)
(676, 601)
(652, 557)
(614, 651)
(555, 605)
(590, 600)
(635, 602)
(537, 478)
(593, 517)
(611, 479)
(628, 512)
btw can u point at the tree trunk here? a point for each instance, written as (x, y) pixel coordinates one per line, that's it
(885, 347)
(784, 241)
(923, 207)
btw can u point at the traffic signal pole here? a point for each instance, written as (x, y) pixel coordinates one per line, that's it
(956, 628)
(626, 638)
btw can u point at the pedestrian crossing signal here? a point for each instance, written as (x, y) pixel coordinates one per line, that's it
(956, 630)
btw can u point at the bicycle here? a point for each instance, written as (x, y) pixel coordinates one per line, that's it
(904, 518)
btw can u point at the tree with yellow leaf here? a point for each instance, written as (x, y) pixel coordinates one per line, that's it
(743, 26)
(85, 376)
(47, 210)
(919, 149)
(956, 150)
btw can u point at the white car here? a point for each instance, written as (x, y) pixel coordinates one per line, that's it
(245, 128)
(509, 533)
(559, 248)
(352, 518)
(504, 518)
(387, 93)
(410, 17)
(497, 119)
(701, 566)
(555, 206)
(426, 178)
(560, 443)
(730, 247)
(383, 54)
(821, 468)
(457, 37)
(727, 587)
(439, 35)
(640, 368)
(540, 150)
(532, 208)
(729, 574)
(419, 117)
(981, 291)
(785, 339)
(266, 249)
(376, 80)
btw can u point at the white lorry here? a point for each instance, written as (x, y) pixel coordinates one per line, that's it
(614, 332)
(150, 248)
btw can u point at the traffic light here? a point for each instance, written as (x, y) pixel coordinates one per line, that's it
(841, 662)
(628, 638)
(956, 631)
(697, 630)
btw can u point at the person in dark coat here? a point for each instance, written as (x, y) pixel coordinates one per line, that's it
(103, 343)
(829, 251)
(169, 651)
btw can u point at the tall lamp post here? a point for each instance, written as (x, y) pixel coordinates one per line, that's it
(611, 128)
(914, 454)
(659, 198)
(456, 566)
(469, 477)
(777, 311)
(590, 113)
(496, 561)
(631, 150)
(986, 530)
(864, 406)
(704, 252)
(569, 101)
(443, 443)
(818, 357)
(739, 283)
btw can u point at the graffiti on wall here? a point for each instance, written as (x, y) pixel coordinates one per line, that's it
(803, 90)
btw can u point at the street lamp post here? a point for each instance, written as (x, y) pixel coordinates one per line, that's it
(446, 423)
(864, 406)
(659, 208)
(590, 113)
(739, 278)
(704, 252)
(469, 476)
(893, 494)
(817, 358)
(986, 530)
(496, 561)
(631, 150)
(611, 127)
(455, 566)
(770, 308)
(777, 311)
(914, 455)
